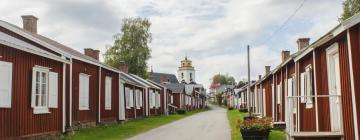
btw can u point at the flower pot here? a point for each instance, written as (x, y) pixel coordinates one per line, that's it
(255, 135)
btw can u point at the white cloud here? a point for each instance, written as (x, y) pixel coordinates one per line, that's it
(213, 33)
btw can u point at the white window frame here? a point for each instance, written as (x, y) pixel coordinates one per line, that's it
(85, 93)
(6, 68)
(36, 97)
(141, 98)
(278, 94)
(108, 92)
(127, 97)
(153, 99)
(138, 98)
(309, 86)
(158, 99)
(293, 90)
(171, 99)
(131, 101)
(150, 98)
(302, 88)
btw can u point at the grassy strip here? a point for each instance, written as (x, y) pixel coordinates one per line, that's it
(130, 128)
(234, 115)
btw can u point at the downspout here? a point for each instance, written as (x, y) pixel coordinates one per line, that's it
(165, 101)
(273, 98)
(71, 93)
(99, 106)
(64, 97)
(134, 101)
(147, 101)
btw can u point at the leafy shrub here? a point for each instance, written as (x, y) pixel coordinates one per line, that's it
(255, 124)
(230, 108)
(181, 111)
(243, 110)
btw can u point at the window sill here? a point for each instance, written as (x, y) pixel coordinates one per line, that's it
(107, 108)
(84, 109)
(41, 111)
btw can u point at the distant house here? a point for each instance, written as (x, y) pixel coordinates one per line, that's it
(178, 91)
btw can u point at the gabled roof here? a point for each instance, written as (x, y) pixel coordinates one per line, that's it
(129, 80)
(163, 77)
(175, 88)
(55, 46)
(144, 81)
(156, 84)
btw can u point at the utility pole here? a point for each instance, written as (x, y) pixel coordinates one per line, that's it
(248, 88)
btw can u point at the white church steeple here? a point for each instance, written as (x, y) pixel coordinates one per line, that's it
(186, 72)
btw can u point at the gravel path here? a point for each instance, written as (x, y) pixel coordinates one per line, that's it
(209, 125)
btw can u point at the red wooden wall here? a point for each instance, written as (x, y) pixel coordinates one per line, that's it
(112, 114)
(91, 115)
(355, 51)
(19, 120)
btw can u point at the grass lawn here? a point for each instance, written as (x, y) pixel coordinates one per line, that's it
(234, 115)
(126, 130)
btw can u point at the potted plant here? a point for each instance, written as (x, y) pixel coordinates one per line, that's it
(255, 128)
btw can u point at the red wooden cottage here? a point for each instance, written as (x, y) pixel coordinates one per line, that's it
(178, 97)
(317, 85)
(165, 97)
(132, 97)
(32, 91)
(152, 97)
(92, 91)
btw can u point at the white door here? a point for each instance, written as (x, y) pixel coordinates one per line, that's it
(334, 87)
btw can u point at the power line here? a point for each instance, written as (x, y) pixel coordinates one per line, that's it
(284, 24)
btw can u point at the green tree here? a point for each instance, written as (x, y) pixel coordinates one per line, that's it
(131, 46)
(223, 79)
(219, 99)
(350, 7)
(242, 83)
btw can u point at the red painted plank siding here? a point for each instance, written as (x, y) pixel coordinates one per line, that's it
(140, 112)
(176, 97)
(306, 124)
(129, 112)
(112, 114)
(19, 120)
(268, 95)
(355, 57)
(346, 98)
(319, 138)
(91, 115)
(67, 93)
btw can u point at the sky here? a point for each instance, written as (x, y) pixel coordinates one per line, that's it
(212, 33)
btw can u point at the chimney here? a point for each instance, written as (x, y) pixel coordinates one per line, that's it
(267, 70)
(92, 53)
(124, 67)
(30, 23)
(302, 43)
(285, 55)
(259, 77)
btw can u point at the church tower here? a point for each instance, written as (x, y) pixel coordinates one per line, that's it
(186, 72)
